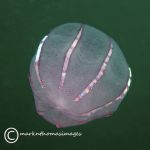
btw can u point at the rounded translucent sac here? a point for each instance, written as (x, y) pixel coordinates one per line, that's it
(78, 74)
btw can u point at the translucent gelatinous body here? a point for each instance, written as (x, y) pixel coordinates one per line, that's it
(78, 74)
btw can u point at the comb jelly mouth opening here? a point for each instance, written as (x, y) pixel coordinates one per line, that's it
(78, 74)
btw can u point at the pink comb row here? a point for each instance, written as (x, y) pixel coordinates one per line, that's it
(99, 75)
(120, 97)
(68, 55)
(37, 61)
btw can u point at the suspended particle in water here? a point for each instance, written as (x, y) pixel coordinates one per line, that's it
(78, 74)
